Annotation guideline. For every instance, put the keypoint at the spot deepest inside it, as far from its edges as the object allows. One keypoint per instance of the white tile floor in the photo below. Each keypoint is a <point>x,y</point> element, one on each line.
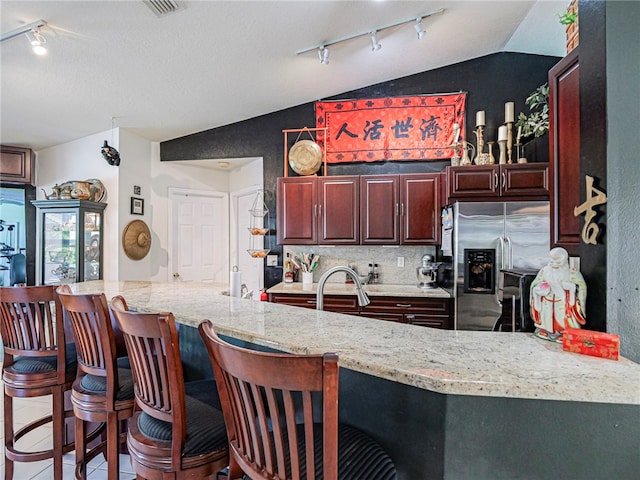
<point>28,409</point>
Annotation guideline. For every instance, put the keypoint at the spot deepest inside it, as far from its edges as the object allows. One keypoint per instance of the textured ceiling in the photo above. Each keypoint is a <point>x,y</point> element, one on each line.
<point>114,63</point>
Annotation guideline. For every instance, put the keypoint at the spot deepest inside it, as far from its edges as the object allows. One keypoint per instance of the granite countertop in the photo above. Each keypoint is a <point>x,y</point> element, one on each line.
<point>493,364</point>
<point>377,290</point>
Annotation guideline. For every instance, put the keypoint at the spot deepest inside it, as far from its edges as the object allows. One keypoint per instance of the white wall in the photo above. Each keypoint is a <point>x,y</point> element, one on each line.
<point>81,160</point>
<point>135,165</point>
<point>140,165</point>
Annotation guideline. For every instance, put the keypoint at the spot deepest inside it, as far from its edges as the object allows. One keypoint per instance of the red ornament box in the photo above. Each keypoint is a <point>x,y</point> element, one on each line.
<point>589,342</point>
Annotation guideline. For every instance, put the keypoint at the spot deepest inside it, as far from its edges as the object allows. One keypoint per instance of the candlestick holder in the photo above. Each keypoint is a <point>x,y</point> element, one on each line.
<point>492,159</point>
<point>503,151</point>
<point>509,141</point>
<point>520,151</point>
<point>479,131</point>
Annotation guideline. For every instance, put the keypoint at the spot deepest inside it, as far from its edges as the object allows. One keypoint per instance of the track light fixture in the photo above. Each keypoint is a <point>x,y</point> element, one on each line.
<point>418,28</point>
<point>32,32</point>
<point>37,42</point>
<point>323,52</point>
<point>375,45</point>
<point>323,55</point>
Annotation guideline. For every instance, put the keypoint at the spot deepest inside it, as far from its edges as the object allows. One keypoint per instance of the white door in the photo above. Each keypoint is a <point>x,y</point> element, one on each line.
<point>252,269</point>
<point>200,236</point>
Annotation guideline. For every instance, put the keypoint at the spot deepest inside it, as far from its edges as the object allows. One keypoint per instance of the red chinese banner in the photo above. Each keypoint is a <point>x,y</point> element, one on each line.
<point>397,128</point>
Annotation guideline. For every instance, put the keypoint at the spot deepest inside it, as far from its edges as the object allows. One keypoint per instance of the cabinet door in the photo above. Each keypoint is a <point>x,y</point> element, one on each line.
<point>420,209</point>
<point>379,209</point>
<point>338,210</point>
<point>16,165</point>
<point>297,211</point>
<point>564,146</point>
<point>525,180</point>
<point>474,181</point>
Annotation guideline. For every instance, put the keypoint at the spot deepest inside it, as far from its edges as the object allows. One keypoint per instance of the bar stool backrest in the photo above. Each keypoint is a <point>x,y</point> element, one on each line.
<point>154,354</point>
<point>267,401</point>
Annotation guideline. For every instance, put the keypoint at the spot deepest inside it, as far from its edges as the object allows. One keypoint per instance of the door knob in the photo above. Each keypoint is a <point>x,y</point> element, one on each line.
<point>176,275</point>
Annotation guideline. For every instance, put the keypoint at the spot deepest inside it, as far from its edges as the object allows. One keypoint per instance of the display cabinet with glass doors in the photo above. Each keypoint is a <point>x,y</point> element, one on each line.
<point>70,241</point>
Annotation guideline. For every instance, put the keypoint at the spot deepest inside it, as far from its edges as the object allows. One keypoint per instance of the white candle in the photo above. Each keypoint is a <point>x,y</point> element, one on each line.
<point>508,112</point>
<point>502,133</point>
<point>456,132</point>
<point>519,133</point>
<point>480,122</point>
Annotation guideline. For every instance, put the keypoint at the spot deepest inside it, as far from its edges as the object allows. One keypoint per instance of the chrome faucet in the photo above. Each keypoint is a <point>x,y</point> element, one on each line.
<point>363,299</point>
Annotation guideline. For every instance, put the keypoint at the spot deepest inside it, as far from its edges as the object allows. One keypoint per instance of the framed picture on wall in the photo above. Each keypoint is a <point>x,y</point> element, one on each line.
<point>137,206</point>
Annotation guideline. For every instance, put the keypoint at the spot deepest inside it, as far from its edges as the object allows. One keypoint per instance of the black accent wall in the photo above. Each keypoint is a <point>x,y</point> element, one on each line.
<point>489,81</point>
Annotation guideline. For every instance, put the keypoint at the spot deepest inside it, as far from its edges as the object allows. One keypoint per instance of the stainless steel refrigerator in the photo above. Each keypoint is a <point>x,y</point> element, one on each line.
<point>489,237</point>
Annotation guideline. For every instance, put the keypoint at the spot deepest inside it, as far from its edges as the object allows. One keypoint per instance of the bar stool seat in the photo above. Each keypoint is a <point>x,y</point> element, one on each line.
<point>37,362</point>
<point>102,393</point>
<point>177,431</point>
<point>281,412</point>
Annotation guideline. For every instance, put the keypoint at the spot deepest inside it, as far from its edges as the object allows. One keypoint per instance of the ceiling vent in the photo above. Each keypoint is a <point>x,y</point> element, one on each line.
<point>162,8</point>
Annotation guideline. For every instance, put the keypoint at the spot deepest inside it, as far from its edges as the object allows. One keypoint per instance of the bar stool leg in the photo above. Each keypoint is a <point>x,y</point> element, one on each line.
<point>113,444</point>
<point>81,450</point>
<point>8,435</point>
<point>58,430</point>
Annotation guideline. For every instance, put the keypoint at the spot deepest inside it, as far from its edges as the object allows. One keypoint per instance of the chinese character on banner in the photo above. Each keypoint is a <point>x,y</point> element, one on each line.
<point>397,128</point>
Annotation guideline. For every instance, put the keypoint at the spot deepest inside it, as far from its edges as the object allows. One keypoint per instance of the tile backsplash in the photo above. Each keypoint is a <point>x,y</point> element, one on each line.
<point>361,256</point>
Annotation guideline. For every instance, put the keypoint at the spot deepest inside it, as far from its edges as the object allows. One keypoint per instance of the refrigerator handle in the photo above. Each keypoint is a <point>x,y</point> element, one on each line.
<point>510,251</point>
<point>502,256</point>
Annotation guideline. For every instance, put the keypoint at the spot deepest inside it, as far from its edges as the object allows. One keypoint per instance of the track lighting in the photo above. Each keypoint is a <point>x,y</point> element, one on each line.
<point>37,42</point>
<point>418,28</point>
<point>323,51</point>
<point>323,55</point>
<point>32,32</point>
<point>375,45</point>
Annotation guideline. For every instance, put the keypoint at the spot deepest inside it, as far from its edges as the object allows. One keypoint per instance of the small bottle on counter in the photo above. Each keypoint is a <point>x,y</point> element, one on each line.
<point>348,278</point>
<point>376,275</point>
<point>288,269</point>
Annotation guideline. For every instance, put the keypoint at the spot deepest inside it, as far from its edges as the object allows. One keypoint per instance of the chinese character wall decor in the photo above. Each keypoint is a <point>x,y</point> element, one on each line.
<point>397,128</point>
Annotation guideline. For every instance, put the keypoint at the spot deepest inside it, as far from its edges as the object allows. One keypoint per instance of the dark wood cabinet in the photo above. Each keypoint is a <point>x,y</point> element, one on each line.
<point>332,303</point>
<point>17,165</point>
<point>338,210</point>
<point>427,312</point>
<point>564,146</point>
<point>521,181</point>
<point>70,234</point>
<point>400,209</point>
<point>318,210</point>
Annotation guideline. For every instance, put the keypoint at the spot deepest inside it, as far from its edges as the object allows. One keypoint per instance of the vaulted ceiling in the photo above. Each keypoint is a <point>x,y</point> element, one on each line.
<point>211,63</point>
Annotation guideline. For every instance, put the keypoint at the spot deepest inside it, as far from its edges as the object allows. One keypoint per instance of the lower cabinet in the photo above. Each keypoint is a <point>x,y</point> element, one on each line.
<point>426,312</point>
<point>332,303</point>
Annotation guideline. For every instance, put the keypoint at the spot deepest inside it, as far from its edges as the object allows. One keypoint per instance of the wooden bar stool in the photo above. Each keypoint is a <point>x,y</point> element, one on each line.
<point>102,392</point>
<point>36,362</point>
<point>268,401</point>
<point>175,433</point>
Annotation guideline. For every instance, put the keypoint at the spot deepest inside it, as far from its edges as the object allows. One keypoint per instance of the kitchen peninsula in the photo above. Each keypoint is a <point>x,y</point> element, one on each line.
<point>445,404</point>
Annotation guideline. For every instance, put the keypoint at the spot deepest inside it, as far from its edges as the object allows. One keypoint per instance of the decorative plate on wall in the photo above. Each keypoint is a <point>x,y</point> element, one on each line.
<point>305,157</point>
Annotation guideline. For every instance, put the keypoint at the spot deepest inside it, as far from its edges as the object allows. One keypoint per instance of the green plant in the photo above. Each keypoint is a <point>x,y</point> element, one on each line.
<point>537,122</point>
<point>567,18</point>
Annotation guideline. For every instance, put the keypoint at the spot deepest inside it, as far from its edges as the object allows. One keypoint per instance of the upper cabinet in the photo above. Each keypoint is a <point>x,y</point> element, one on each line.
<point>354,210</point>
<point>564,146</point>
<point>520,181</point>
<point>17,165</point>
<point>400,209</point>
<point>318,210</point>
